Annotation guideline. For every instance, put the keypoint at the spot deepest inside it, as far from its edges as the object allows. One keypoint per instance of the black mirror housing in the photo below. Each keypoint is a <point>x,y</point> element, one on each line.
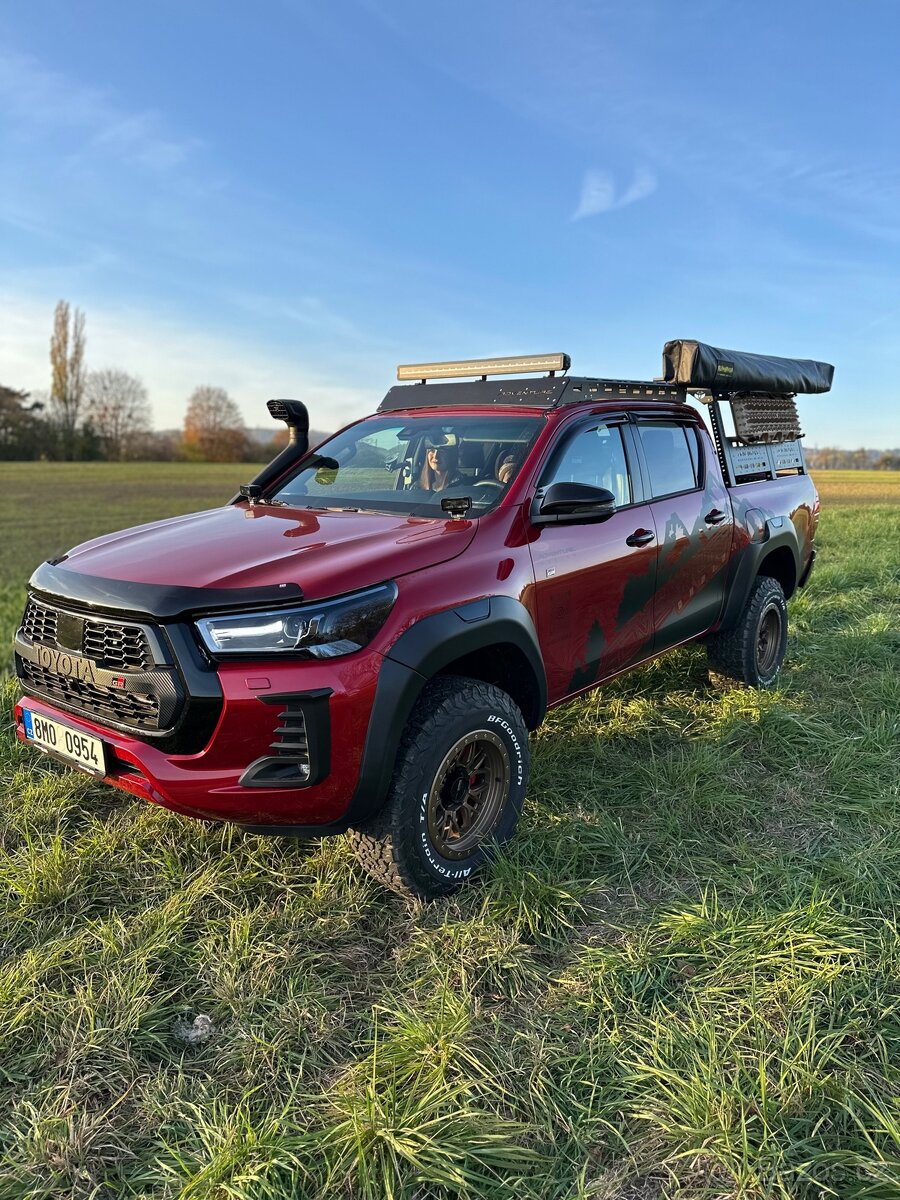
<point>573,504</point>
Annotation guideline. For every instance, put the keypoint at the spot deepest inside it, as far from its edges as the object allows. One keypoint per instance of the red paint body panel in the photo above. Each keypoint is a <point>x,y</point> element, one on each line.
<point>594,599</point>
<point>599,607</point>
<point>326,553</point>
<point>206,784</point>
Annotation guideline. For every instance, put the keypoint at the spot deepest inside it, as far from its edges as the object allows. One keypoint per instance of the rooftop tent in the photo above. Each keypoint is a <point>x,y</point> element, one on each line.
<point>697,365</point>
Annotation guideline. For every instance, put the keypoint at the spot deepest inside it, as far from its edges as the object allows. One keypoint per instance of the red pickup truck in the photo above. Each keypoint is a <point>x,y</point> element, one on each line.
<point>363,638</point>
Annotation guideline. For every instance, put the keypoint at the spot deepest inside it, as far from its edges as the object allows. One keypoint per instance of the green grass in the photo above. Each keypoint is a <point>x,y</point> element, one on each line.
<point>682,980</point>
<point>46,508</point>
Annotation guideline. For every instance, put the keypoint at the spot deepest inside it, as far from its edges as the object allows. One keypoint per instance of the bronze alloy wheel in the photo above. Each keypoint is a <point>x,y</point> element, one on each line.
<point>768,641</point>
<point>459,782</point>
<point>468,793</point>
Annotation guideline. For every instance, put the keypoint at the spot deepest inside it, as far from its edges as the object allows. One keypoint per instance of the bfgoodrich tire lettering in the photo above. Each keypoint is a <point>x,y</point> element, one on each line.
<point>752,652</point>
<point>457,790</point>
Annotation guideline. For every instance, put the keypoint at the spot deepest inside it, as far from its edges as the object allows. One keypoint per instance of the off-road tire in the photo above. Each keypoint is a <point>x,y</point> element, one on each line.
<point>396,846</point>
<point>751,653</point>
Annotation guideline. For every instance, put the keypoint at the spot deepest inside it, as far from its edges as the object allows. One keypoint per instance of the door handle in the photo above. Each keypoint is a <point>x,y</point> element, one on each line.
<point>715,516</point>
<point>640,537</point>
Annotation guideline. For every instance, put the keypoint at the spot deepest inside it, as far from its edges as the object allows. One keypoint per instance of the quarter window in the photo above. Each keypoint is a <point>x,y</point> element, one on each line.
<point>672,457</point>
<point>596,456</point>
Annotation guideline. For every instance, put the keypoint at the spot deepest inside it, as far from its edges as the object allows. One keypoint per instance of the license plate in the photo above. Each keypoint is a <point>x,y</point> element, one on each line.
<point>82,749</point>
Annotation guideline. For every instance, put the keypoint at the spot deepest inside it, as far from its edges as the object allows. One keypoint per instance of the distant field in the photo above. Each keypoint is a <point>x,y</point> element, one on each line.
<point>46,508</point>
<point>684,979</point>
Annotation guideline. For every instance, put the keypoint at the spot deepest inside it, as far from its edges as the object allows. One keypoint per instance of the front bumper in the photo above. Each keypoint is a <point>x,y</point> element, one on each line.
<point>255,697</point>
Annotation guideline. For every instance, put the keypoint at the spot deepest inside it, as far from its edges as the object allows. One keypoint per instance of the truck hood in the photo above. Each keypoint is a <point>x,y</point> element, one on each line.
<point>241,547</point>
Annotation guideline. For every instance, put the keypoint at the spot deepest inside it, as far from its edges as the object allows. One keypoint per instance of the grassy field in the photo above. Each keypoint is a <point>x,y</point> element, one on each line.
<point>683,981</point>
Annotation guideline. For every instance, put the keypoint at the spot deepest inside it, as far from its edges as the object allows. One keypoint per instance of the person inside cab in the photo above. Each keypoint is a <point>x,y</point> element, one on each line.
<point>508,467</point>
<point>441,468</point>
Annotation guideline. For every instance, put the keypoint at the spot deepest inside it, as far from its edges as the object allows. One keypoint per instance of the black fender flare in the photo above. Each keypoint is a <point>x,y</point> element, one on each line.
<point>779,532</point>
<point>422,652</point>
<point>419,653</point>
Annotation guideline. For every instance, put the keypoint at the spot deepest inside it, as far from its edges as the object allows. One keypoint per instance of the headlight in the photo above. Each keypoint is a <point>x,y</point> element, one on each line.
<point>325,630</point>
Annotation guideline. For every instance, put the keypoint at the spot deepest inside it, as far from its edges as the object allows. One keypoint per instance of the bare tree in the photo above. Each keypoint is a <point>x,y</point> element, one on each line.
<point>67,370</point>
<point>118,410</point>
<point>213,427</point>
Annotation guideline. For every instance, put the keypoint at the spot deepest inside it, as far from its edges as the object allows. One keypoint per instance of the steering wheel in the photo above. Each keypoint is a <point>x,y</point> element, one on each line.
<point>491,483</point>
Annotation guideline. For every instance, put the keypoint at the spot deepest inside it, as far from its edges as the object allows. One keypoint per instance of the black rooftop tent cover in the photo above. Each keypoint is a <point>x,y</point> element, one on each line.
<point>697,365</point>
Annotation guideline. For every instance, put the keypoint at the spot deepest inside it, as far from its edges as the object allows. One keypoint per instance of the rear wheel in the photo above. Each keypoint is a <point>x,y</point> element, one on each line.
<point>751,654</point>
<point>457,790</point>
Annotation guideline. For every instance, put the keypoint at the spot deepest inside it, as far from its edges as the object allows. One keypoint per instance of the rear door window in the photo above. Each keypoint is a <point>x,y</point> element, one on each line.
<point>672,460</point>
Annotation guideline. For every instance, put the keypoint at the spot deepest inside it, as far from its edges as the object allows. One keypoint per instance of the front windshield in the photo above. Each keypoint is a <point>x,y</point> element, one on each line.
<point>410,464</point>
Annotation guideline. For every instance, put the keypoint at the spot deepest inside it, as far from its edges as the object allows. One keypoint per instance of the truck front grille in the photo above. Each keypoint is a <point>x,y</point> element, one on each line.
<point>39,623</point>
<point>122,646</point>
<point>112,644</point>
<point>113,672</point>
<point>136,710</point>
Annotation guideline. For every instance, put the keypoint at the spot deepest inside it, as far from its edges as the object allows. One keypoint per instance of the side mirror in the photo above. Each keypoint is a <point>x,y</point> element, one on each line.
<point>572,504</point>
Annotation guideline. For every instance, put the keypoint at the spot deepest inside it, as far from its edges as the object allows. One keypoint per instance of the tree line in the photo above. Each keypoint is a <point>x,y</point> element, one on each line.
<point>106,413</point>
<point>830,458</point>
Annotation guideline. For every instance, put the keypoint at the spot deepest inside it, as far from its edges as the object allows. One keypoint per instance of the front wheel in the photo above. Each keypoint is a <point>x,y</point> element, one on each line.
<point>752,652</point>
<point>457,790</point>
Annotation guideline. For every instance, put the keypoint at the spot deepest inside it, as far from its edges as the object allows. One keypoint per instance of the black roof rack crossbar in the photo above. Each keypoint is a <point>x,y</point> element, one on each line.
<point>528,393</point>
<point>587,391</point>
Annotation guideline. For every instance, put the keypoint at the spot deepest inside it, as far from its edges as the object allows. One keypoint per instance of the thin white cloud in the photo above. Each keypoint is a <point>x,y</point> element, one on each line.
<point>598,192</point>
<point>642,185</point>
<point>41,103</point>
<point>598,195</point>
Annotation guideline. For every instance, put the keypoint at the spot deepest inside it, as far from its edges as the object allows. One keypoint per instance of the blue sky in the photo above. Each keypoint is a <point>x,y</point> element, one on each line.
<point>290,198</point>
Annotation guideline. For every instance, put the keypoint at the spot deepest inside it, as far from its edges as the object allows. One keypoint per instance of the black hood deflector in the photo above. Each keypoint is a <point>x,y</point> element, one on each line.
<point>160,601</point>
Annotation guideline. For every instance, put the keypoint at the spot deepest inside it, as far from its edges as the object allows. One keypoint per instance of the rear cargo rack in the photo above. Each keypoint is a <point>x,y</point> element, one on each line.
<point>756,451</point>
<point>761,390</point>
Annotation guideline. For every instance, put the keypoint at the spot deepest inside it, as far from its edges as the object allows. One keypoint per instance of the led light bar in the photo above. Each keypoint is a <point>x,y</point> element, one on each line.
<point>522,364</point>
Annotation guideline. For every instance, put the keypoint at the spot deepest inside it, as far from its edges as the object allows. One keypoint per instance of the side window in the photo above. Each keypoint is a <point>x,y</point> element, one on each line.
<point>672,462</point>
<point>595,455</point>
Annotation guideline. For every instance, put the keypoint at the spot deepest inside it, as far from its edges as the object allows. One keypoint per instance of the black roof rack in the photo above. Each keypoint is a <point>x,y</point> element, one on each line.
<point>548,392</point>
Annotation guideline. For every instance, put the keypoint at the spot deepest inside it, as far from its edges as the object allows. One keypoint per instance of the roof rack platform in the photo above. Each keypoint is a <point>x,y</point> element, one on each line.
<point>549,392</point>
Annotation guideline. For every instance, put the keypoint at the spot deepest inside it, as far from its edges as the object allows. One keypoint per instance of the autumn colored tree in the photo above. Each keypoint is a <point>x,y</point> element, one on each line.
<point>118,410</point>
<point>213,428</point>
<point>67,375</point>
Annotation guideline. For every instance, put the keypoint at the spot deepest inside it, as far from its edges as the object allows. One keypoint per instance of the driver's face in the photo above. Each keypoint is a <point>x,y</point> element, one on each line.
<point>438,458</point>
